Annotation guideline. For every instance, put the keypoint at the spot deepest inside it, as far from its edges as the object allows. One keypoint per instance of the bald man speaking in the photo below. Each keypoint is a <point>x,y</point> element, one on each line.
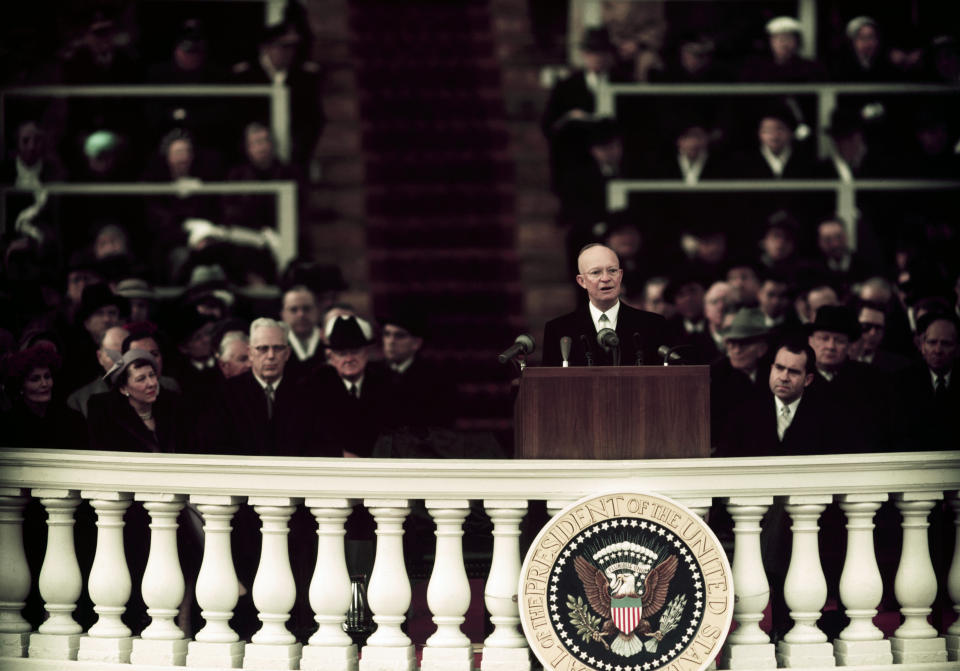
<point>639,333</point>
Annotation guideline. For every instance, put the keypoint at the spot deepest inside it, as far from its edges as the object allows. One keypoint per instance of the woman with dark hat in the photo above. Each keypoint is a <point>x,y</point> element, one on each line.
<point>36,418</point>
<point>136,416</point>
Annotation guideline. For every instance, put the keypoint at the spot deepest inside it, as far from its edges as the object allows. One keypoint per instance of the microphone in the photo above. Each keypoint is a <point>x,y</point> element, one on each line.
<point>638,346</point>
<point>608,339</point>
<point>670,354</point>
<point>524,344</point>
<point>587,349</point>
<point>565,343</point>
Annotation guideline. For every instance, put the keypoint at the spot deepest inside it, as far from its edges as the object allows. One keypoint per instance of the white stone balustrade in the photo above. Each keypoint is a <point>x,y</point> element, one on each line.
<point>749,646</point>
<point>505,649</point>
<point>216,486</point>
<point>916,641</point>
<point>330,649</point>
<point>15,576</point>
<point>861,586</point>
<point>953,585</point>
<point>448,592</point>
<point>389,594</point>
<point>805,588</point>
<point>163,586</point>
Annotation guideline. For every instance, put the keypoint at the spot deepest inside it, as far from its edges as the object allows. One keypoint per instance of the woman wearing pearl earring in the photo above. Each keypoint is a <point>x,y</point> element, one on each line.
<point>135,416</point>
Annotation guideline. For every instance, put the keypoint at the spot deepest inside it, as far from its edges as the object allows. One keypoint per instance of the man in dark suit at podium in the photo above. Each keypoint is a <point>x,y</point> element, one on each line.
<point>600,275</point>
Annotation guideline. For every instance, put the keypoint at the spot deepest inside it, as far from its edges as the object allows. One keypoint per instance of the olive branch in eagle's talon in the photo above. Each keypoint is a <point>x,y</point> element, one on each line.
<point>588,626</point>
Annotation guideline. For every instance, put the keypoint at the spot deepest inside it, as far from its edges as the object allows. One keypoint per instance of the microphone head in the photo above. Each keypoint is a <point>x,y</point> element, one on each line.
<point>566,342</point>
<point>527,342</point>
<point>608,338</point>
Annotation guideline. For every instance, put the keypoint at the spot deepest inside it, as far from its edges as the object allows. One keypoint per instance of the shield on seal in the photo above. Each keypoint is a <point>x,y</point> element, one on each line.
<point>626,612</point>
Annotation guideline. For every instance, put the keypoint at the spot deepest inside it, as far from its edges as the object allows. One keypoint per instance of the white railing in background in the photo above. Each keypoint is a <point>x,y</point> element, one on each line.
<point>285,193</point>
<point>619,190</point>
<point>826,94</point>
<point>278,94</point>
<point>216,486</point>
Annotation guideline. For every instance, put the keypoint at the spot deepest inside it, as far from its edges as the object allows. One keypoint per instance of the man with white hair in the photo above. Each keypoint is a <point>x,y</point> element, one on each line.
<point>262,412</point>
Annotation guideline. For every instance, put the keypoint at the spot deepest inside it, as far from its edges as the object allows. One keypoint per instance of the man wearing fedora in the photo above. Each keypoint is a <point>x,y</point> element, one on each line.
<point>354,396</point>
<point>739,376</point>
<point>99,310</point>
<point>864,396</point>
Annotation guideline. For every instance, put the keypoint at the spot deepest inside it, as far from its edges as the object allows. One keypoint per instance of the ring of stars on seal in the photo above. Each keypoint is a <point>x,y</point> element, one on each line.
<point>626,582</point>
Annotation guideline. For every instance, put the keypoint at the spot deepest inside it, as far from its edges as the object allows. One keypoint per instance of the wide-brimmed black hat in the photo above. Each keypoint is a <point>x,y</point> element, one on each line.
<point>407,316</point>
<point>349,333</point>
<point>96,296</point>
<point>597,40</point>
<point>836,319</point>
<point>187,321</point>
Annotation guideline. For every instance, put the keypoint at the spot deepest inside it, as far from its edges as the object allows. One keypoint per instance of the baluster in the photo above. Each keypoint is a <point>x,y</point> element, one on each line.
<point>388,648</point>
<point>274,590</point>
<point>805,587</point>
<point>749,647</point>
<point>861,586</point>
<point>109,585</point>
<point>216,645</point>
<point>916,584</point>
<point>60,580</point>
<point>554,506</point>
<point>448,592</point>
<point>953,584</point>
<point>505,648</point>
<point>699,505</point>
<point>163,586</point>
<point>330,649</point>
<point>15,576</point>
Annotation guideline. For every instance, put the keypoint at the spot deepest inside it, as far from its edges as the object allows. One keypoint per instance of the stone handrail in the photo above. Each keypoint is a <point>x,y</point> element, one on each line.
<point>213,487</point>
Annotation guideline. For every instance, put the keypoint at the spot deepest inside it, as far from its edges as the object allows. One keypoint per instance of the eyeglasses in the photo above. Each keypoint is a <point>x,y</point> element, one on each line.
<point>866,327</point>
<point>597,274</point>
<point>264,349</point>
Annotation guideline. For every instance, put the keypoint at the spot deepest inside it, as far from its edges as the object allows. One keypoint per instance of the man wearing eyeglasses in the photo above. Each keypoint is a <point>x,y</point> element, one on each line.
<point>600,275</point>
<point>869,348</point>
<point>264,411</point>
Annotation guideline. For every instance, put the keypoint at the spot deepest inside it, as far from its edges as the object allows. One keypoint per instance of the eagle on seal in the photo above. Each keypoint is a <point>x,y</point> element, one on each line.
<point>624,604</point>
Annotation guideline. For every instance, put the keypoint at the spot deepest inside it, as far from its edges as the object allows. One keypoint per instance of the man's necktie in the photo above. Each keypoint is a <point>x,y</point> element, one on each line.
<point>354,391</point>
<point>604,319</point>
<point>940,387</point>
<point>783,421</point>
<point>268,390</point>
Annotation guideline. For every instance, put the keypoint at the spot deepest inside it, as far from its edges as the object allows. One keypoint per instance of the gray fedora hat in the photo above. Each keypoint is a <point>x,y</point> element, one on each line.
<point>747,324</point>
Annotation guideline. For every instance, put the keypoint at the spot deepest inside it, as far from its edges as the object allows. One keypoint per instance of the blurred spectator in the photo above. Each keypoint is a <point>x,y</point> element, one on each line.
<point>140,296</point>
<point>32,163</point>
<point>181,158</point>
<point>189,62</point>
<point>109,352</point>
<point>99,310</point>
<point>744,279</point>
<point>689,158</point>
<point>277,64</point>
<point>300,312</point>
<point>653,299</point>
<point>324,280</point>
<point>256,210</point>
<point>625,239</point>
<point>853,156</point>
<point>777,155</point>
<point>233,354</point>
<point>864,59</point>
<point>946,59</point>
<point>192,363</point>
<point>813,296</point>
<point>717,302</point>
<point>782,63</point>
<point>907,55</point>
<point>868,349</point>
<point>693,63</point>
<point>835,262</point>
<point>574,98</point>
<point>639,42</point>
<point>102,56</point>
<point>104,157</point>
<point>37,418</point>
<point>686,326</point>
<point>774,302</point>
<point>778,245</point>
<point>934,155</point>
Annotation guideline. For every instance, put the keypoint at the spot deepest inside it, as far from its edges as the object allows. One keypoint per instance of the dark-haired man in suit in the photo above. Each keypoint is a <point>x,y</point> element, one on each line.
<point>931,390</point>
<point>600,275</point>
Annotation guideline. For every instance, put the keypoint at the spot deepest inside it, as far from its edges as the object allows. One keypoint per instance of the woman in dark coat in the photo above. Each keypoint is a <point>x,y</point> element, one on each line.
<point>37,418</point>
<point>136,416</point>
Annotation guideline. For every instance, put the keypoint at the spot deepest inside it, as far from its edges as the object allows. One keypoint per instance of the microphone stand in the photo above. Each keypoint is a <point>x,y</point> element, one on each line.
<point>588,353</point>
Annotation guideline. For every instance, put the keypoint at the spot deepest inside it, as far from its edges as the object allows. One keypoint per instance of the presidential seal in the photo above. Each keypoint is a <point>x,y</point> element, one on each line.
<point>626,582</point>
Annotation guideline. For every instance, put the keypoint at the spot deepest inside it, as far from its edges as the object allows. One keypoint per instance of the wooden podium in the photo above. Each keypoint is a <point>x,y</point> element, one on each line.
<point>637,412</point>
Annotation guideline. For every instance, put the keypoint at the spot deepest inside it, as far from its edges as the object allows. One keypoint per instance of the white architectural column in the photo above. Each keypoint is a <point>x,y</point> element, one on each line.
<point>915,586</point>
<point>953,583</point>
<point>15,574</point>
<point>330,649</point>
<point>505,648</point>
<point>60,579</point>
<point>109,585</point>
<point>274,590</point>
<point>861,586</point>
<point>163,586</point>
<point>448,592</point>
<point>749,647</point>
<point>388,648</point>
<point>217,645</point>
<point>805,587</point>
<point>554,506</point>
